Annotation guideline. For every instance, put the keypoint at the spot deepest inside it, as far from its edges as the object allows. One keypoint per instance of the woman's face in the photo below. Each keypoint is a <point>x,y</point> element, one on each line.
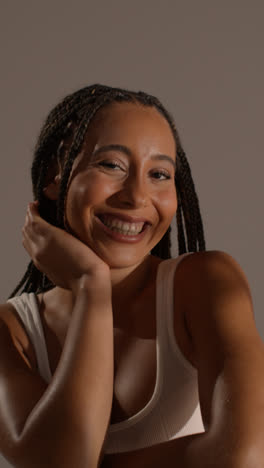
<point>127,180</point>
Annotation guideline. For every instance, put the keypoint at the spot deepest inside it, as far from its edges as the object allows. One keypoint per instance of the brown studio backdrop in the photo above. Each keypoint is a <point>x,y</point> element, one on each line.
<point>204,60</point>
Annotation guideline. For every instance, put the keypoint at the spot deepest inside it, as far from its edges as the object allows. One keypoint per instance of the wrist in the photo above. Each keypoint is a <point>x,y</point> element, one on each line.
<point>92,283</point>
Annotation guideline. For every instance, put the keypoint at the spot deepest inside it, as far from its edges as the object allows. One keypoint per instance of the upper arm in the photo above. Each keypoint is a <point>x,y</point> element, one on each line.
<point>20,389</point>
<point>219,313</point>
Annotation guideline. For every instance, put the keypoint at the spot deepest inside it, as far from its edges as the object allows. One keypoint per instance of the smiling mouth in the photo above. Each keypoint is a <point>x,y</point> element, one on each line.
<point>120,230</point>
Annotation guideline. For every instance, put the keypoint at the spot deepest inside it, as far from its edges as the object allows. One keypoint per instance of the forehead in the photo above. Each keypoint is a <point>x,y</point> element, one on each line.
<point>132,124</point>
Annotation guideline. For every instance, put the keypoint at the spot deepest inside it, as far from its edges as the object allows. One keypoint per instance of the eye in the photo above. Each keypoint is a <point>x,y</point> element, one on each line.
<point>163,173</point>
<point>109,164</point>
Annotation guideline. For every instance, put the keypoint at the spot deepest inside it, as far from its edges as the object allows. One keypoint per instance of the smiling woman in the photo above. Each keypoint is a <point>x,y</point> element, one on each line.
<point>104,351</point>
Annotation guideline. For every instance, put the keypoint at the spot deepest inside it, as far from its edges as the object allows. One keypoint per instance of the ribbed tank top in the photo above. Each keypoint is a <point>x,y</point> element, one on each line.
<point>173,410</point>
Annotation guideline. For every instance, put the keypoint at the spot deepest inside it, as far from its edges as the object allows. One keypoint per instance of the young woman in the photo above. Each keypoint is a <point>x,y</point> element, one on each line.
<point>112,347</point>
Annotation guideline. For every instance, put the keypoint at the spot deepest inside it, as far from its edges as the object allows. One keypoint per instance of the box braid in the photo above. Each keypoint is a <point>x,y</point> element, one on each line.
<point>60,141</point>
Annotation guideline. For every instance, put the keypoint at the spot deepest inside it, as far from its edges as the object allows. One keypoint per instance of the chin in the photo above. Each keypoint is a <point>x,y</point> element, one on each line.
<point>123,261</point>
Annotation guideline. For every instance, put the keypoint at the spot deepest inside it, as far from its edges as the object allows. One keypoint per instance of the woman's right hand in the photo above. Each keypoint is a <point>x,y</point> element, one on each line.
<point>63,258</point>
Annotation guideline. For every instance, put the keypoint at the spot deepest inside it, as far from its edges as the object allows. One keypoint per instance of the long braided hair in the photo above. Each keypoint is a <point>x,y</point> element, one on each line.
<point>70,119</point>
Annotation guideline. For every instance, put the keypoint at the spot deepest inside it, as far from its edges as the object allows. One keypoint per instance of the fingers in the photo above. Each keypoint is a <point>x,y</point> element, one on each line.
<point>33,231</point>
<point>30,227</point>
<point>34,222</point>
<point>32,209</point>
<point>26,234</point>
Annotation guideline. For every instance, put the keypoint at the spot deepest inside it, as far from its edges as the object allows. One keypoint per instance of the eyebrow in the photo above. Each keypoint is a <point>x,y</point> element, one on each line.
<point>128,152</point>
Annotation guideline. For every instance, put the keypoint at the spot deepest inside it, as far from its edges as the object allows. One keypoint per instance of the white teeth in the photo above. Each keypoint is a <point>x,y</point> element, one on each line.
<point>127,228</point>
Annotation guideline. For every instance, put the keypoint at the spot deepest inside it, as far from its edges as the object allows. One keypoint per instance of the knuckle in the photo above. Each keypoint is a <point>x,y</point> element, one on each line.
<point>38,255</point>
<point>35,225</point>
<point>37,262</point>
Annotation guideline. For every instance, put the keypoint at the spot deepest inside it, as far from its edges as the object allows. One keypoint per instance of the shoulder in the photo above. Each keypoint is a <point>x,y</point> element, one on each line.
<point>201,269</point>
<point>20,339</point>
<point>7,315</point>
<point>212,292</point>
<point>215,296</point>
<point>211,277</point>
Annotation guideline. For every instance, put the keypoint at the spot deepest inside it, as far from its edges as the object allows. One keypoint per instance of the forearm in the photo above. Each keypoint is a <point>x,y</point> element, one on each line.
<point>89,377</point>
<point>77,403</point>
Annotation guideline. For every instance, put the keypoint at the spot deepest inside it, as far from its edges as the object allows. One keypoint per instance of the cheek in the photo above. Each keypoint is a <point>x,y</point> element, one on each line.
<point>85,192</point>
<point>167,202</point>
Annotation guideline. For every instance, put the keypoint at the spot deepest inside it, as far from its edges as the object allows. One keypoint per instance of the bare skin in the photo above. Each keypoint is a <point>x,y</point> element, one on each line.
<point>139,336</point>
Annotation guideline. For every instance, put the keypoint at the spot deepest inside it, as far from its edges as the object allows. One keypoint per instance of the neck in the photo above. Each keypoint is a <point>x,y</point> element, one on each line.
<point>129,288</point>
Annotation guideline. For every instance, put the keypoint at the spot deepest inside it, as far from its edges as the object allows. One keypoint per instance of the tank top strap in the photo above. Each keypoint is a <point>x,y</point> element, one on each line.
<point>27,309</point>
<point>165,312</point>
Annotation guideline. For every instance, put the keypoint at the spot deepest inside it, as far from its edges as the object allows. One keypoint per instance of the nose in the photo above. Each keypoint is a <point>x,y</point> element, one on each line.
<point>134,192</point>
